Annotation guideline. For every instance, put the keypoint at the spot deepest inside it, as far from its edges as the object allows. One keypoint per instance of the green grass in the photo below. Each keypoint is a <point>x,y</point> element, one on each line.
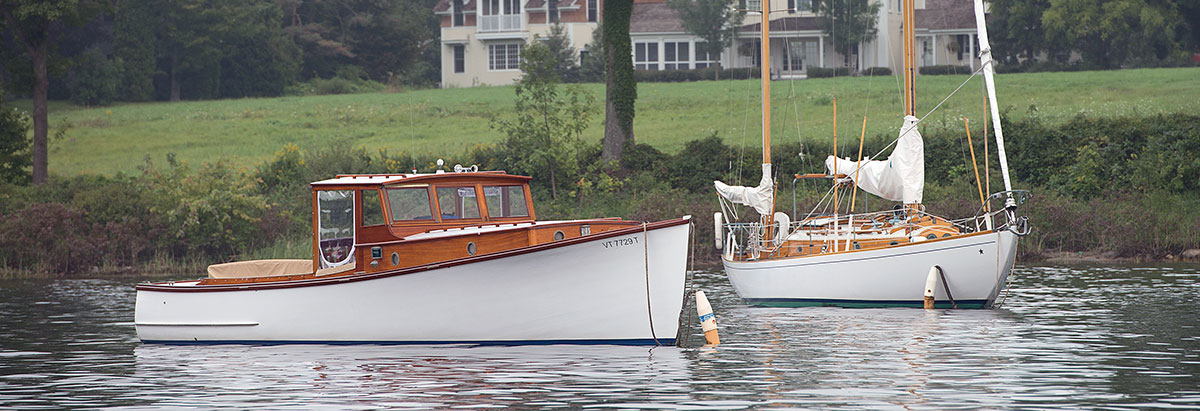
<point>106,140</point>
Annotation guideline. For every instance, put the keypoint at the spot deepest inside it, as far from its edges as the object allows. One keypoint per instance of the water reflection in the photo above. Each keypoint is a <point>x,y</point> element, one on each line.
<point>1068,337</point>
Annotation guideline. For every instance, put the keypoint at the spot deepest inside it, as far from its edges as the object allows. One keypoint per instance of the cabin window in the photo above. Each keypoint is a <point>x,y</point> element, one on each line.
<point>505,201</point>
<point>409,203</point>
<point>457,202</point>
<point>372,208</point>
<point>335,227</point>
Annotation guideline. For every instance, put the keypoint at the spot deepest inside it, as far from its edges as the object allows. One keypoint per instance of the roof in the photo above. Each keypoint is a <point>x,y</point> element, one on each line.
<point>388,179</point>
<point>443,6</point>
<point>789,24</point>
<point>654,18</point>
<point>946,15</point>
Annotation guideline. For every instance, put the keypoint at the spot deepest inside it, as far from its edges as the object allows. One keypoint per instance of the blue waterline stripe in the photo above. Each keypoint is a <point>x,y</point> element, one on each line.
<point>820,302</point>
<point>637,341</point>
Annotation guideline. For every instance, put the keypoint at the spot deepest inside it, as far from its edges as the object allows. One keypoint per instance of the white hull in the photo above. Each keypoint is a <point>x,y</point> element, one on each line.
<point>976,268</point>
<point>587,289</point>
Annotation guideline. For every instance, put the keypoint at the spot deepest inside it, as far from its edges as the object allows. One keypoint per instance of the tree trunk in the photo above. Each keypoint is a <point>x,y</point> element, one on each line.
<point>41,125</point>
<point>175,75</point>
<point>621,86</point>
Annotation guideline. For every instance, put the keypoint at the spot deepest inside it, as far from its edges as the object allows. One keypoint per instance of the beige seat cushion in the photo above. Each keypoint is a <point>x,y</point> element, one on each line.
<point>260,268</point>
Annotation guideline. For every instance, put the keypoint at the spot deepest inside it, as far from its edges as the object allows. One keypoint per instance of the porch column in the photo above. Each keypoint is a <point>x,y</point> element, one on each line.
<point>933,43</point>
<point>971,48</point>
<point>821,50</point>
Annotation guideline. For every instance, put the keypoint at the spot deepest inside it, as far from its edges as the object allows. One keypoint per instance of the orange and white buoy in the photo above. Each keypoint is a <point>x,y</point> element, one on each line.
<point>930,286</point>
<point>708,321</point>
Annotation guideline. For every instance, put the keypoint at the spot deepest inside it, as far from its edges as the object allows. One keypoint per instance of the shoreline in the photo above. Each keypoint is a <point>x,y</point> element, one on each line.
<point>189,270</point>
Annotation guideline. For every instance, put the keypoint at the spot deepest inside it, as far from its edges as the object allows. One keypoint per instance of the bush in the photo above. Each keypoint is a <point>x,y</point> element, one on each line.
<point>939,70</point>
<point>95,79</point>
<point>820,72</point>
<point>877,71</point>
<point>15,159</point>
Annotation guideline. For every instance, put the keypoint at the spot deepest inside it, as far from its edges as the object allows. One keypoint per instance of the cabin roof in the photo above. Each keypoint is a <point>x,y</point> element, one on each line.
<point>387,179</point>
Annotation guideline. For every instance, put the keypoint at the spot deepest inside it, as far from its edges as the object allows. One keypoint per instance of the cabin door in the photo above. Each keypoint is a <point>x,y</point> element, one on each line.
<point>335,227</point>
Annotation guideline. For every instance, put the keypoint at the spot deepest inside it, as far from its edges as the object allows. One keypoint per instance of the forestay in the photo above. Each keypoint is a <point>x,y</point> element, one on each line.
<point>899,178</point>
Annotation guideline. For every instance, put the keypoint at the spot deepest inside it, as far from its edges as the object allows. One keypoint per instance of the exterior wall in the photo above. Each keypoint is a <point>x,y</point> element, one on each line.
<point>476,71</point>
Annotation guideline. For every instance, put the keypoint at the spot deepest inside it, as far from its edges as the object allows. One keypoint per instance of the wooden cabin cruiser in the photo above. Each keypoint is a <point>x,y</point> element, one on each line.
<point>437,258</point>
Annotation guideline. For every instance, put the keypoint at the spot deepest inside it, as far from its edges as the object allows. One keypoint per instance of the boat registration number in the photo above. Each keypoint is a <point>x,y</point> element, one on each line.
<point>620,242</point>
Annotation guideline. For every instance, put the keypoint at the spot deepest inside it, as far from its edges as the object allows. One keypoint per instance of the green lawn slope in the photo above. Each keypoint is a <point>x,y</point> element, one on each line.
<point>106,140</point>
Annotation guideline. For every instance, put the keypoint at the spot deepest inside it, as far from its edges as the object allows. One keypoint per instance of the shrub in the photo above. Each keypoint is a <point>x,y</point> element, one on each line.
<point>877,71</point>
<point>820,72</point>
<point>95,79</point>
<point>948,69</point>
<point>15,159</point>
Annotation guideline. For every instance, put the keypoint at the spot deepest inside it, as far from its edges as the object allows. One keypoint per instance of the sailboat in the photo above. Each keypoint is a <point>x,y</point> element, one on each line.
<point>886,258</point>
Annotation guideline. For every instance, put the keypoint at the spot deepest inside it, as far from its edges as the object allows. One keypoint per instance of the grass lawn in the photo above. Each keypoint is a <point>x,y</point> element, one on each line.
<point>112,139</point>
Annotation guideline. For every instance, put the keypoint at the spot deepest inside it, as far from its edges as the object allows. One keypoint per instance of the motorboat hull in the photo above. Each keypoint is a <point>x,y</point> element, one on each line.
<point>976,267</point>
<point>624,286</point>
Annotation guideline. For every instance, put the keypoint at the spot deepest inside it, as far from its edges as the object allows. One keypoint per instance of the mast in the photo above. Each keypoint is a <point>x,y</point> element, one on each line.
<point>910,59</point>
<point>985,58</point>
<point>766,80</point>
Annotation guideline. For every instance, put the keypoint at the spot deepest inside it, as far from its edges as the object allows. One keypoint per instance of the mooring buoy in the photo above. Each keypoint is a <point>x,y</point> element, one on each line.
<point>708,321</point>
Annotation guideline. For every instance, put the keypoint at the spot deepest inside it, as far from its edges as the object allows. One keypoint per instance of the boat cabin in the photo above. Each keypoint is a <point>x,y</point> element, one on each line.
<point>370,223</point>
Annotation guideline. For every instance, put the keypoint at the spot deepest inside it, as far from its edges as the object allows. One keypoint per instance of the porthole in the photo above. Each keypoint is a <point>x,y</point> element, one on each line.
<point>558,235</point>
<point>945,235</point>
<point>931,236</point>
<point>800,249</point>
<point>857,246</point>
<point>471,248</point>
<point>893,243</point>
<point>395,259</point>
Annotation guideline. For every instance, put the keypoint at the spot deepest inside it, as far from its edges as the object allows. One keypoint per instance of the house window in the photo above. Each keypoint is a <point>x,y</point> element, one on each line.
<point>645,56</point>
<point>676,55</point>
<point>593,10</point>
<point>753,5</point>
<point>582,56</point>
<point>552,11</point>
<point>962,40</point>
<point>504,56</point>
<point>702,58</point>
<point>460,58</point>
<point>791,6</point>
<point>457,6</point>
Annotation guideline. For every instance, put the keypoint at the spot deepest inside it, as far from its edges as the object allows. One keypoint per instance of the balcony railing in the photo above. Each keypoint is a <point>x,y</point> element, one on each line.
<point>503,22</point>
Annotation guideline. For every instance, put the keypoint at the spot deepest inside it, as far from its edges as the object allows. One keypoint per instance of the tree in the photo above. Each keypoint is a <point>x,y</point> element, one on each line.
<point>715,21</point>
<point>37,25</point>
<point>848,23</point>
<point>134,45</point>
<point>1018,29</point>
<point>549,119</point>
<point>1109,33</point>
<point>560,47</point>
<point>620,85</point>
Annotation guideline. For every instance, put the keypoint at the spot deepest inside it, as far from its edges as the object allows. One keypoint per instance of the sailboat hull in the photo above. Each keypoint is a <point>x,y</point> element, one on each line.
<point>976,267</point>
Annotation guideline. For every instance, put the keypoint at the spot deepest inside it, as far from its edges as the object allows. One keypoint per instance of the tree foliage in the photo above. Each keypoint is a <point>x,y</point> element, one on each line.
<point>715,21</point>
<point>848,23</point>
<point>545,133</point>
<point>14,145</point>
<point>1109,33</point>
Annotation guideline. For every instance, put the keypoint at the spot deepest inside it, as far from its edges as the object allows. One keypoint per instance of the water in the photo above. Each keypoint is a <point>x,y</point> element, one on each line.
<point>1067,337</point>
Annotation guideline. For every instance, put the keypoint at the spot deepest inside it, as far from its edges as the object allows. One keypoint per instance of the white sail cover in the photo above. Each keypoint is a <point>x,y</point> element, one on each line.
<point>899,178</point>
<point>761,197</point>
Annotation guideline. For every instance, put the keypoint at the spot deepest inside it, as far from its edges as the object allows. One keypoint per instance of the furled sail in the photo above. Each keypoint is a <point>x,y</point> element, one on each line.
<point>762,198</point>
<point>899,178</point>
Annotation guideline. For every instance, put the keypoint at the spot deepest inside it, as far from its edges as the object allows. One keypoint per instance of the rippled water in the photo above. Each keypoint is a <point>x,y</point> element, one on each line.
<point>1066,337</point>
